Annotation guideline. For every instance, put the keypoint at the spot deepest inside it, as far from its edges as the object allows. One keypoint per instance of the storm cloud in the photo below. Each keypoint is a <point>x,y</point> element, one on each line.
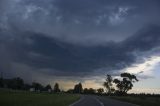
<point>42,52</point>
<point>76,37</point>
<point>80,21</point>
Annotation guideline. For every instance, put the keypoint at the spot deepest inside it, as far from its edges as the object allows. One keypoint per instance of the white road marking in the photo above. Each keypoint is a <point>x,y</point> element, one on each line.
<point>99,102</point>
<point>77,101</point>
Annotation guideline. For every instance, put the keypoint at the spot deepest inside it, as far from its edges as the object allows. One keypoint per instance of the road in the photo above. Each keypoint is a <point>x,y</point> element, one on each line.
<point>89,100</point>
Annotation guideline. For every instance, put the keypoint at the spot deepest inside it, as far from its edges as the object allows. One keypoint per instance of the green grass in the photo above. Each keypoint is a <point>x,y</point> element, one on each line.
<point>142,101</point>
<point>21,98</point>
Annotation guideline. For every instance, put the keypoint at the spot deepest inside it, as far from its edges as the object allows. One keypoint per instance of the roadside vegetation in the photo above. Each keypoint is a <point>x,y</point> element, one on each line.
<point>15,92</point>
<point>139,100</point>
<point>123,85</point>
<point>25,98</point>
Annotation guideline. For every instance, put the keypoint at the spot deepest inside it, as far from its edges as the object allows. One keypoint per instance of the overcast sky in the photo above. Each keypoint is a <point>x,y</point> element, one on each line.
<point>70,41</point>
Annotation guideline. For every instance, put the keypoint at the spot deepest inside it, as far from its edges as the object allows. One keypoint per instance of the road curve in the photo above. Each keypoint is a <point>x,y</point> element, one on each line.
<point>89,100</point>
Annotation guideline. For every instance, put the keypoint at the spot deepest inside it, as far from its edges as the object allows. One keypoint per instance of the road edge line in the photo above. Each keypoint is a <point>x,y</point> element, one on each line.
<point>77,101</point>
<point>101,103</point>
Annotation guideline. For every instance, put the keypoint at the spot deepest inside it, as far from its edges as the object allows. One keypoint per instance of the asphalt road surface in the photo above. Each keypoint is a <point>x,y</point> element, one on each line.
<point>90,100</point>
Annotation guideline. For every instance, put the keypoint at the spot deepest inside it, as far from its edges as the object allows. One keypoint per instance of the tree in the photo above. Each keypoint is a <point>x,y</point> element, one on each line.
<point>112,90</point>
<point>15,83</point>
<point>100,90</point>
<point>37,86</point>
<point>89,91</point>
<point>126,83</point>
<point>78,88</point>
<point>108,83</point>
<point>1,83</point>
<point>85,91</point>
<point>70,91</point>
<point>48,87</point>
<point>27,86</point>
<point>56,88</point>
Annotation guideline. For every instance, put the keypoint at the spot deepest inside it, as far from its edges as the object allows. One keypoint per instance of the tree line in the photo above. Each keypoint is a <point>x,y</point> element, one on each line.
<point>79,90</point>
<point>113,86</point>
<point>18,84</point>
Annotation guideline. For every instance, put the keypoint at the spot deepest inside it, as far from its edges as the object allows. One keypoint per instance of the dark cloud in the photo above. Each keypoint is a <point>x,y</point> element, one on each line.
<point>80,22</point>
<point>145,39</point>
<point>63,59</point>
<point>76,37</point>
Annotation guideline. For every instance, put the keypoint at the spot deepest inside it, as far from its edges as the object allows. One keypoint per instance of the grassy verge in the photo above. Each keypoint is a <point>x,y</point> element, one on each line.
<point>20,98</point>
<point>142,101</point>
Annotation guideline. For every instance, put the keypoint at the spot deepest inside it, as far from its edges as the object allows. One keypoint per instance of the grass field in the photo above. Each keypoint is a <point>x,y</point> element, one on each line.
<point>142,101</point>
<point>21,98</point>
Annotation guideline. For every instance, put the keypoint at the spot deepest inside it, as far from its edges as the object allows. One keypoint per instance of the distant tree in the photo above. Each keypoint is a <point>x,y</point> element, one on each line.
<point>15,83</point>
<point>27,86</point>
<point>85,91</point>
<point>37,86</point>
<point>108,84</point>
<point>112,90</point>
<point>126,83</point>
<point>78,88</point>
<point>1,83</point>
<point>100,90</point>
<point>48,87</point>
<point>56,88</point>
<point>89,91</point>
<point>20,83</point>
<point>1,80</point>
<point>70,91</point>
